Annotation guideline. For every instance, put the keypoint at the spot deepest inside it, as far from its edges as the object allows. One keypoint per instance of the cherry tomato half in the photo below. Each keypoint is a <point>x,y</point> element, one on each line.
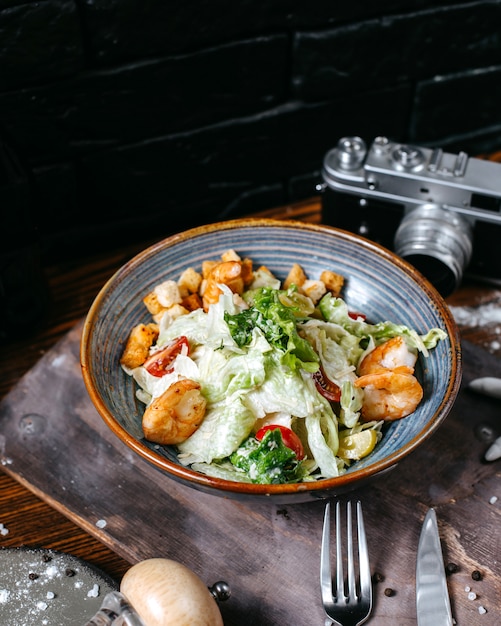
<point>289,437</point>
<point>158,363</point>
<point>355,315</point>
<point>326,387</point>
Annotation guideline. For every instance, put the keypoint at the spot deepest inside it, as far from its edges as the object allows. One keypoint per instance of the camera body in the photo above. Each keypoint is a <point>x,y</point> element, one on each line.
<point>439,211</point>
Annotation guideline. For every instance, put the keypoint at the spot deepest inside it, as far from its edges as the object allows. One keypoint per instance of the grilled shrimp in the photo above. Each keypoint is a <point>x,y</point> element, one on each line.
<point>391,391</point>
<point>227,273</point>
<point>387,356</point>
<point>176,414</point>
<point>390,394</point>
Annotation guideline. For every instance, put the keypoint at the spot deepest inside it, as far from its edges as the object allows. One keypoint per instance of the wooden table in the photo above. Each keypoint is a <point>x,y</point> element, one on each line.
<point>32,519</point>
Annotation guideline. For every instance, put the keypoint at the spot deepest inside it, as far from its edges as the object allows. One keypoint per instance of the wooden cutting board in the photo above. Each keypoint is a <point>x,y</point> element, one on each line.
<point>53,441</point>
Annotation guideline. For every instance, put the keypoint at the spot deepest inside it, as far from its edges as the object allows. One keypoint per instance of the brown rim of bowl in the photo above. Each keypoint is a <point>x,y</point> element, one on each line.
<point>184,473</point>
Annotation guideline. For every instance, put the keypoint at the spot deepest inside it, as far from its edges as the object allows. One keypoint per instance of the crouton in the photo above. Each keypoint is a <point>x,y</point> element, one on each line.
<point>138,344</point>
<point>296,277</point>
<point>207,267</point>
<point>176,310</point>
<point>189,282</point>
<point>225,273</point>
<point>332,281</point>
<point>247,273</point>
<point>263,268</point>
<point>192,302</point>
<point>152,304</point>
<point>168,293</point>
<point>314,289</point>
<point>230,255</point>
<point>173,311</point>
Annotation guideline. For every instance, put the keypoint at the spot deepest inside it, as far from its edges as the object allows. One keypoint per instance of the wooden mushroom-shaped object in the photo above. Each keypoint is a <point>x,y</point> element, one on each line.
<point>166,593</point>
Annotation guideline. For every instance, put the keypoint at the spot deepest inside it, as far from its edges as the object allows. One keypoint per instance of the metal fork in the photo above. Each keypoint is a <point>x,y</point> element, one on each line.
<point>352,608</point>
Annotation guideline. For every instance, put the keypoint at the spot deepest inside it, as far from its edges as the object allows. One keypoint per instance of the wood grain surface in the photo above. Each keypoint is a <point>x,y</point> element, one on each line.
<point>53,441</point>
<point>50,495</point>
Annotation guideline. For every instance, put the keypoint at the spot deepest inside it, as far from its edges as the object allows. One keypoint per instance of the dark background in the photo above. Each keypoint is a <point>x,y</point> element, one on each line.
<point>140,118</point>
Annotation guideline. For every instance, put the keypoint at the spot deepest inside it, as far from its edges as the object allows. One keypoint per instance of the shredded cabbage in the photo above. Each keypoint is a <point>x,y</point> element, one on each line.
<point>257,359</point>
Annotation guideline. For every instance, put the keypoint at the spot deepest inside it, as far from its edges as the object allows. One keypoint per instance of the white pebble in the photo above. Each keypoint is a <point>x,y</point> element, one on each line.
<point>482,610</point>
<point>101,523</point>
<point>94,592</point>
<point>493,500</point>
<point>472,595</point>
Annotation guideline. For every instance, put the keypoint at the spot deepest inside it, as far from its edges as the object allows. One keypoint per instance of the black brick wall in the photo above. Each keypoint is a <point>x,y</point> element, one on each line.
<point>142,117</point>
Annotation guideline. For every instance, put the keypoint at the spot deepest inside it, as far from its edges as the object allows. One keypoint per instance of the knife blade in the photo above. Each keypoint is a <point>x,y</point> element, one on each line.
<point>432,597</point>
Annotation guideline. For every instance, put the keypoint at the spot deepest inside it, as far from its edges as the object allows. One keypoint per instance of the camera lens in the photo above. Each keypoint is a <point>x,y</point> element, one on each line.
<point>438,243</point>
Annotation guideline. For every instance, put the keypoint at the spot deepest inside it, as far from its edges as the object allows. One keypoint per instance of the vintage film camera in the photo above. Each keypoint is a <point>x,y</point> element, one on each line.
<point>439,211</point>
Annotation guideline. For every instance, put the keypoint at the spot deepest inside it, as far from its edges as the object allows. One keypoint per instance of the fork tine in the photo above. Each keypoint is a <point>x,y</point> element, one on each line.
<point>349,541</point>
<point>340,592</point>
<point>351,601</point>
<point>365,570</point>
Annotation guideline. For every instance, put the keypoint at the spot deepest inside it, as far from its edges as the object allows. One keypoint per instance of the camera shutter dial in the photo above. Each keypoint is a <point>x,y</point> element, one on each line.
<point>350,152</point>
<point>407,157</point>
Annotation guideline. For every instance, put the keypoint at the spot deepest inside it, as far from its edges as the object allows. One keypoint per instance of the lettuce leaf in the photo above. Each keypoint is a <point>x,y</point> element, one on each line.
<point>335,310</point>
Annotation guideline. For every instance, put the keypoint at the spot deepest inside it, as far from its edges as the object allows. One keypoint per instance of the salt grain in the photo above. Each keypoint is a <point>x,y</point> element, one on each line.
<point>4,595</point>
<point>493,500</point>
<point>52,571</point>
<point>482,610</point>
<point>489,313</point>
<point>101,523</point>
<point>50,595</point>
<point>3,531</point>
<point>94,592</point>
<point>472,595</point>
<point>467,589</point>
<point>42,606</point>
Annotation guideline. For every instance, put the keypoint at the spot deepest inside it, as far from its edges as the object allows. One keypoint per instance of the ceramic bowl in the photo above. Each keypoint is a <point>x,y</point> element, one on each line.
<point>378,283</point>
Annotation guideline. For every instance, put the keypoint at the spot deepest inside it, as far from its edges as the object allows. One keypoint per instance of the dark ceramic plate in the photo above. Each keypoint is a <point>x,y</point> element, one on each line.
<point>378,283</point>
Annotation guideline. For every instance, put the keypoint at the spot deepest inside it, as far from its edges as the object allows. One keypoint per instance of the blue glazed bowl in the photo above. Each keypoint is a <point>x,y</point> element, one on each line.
<point>378,283</point>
